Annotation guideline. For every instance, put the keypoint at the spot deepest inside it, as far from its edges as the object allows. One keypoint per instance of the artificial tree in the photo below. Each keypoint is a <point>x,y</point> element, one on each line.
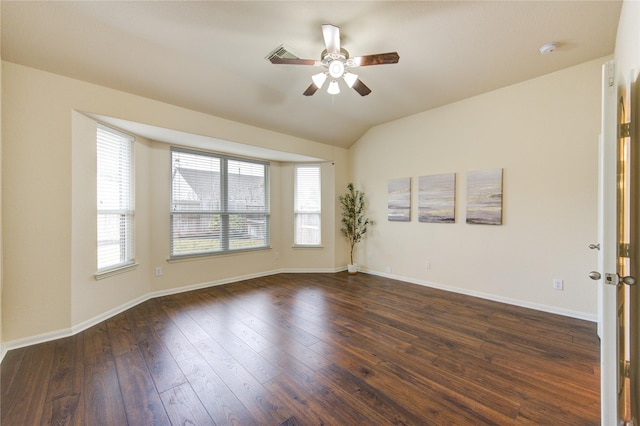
<point>354,221</point>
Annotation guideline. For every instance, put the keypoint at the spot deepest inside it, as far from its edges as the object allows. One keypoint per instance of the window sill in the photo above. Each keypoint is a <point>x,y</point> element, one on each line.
<point>111,272</point>
<point>302,246</point>
<point>204,256</point>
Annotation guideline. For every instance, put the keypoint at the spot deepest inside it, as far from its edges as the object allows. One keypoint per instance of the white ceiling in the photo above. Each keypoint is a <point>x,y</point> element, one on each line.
<point>209,56</point>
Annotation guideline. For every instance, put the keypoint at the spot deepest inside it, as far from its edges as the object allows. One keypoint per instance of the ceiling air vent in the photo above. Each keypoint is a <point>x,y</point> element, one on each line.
<point>280,52</point>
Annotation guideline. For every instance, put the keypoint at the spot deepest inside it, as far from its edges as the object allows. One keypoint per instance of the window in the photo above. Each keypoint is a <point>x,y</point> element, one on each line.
<point>218,203</point>
<point>115,197</point>
<point>307,205</point>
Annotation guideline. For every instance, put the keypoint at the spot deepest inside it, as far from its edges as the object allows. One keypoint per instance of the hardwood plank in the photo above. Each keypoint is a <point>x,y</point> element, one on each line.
<point>316,404</point>
<point>64,403</point>
<point>538,399</point>
<point>190,328</point>
<point>291,421</point>
<point>162,366</point>
<point>307,356</point>
<point>184,407</point>
<point>169,333</point>
<point>141,401</point>
<point>10,372</point>
<point>219,401</point>
<point>392,411</point>
<point>102,397</point>
<point>175,341</point>
<point>26,398</point>
<point>429,403</point>
<point>260,368</point>
<point>63,410</point>
<point>463,398</point>
<point>120,335</point>
<point>143,314</point>
<point>313,399</point>
<point>278,333</point>
<point>250,337</point>
<point>243,384</point>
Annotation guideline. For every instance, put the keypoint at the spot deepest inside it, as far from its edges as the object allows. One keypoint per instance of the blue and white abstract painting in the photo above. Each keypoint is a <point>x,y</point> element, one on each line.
<point>437,198</point>
<point>484,197</point>
<point>399,200</point>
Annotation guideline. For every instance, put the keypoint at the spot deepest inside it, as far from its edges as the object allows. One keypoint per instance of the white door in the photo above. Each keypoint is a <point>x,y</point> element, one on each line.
<point>616,260</point>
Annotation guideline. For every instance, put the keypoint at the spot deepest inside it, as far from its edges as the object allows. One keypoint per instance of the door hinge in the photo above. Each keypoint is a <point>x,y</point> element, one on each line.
<point>624,250</point>
<point>624,130</point>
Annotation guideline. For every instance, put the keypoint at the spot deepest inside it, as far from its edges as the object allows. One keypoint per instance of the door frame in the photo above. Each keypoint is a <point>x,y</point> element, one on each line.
<point>607,254</point>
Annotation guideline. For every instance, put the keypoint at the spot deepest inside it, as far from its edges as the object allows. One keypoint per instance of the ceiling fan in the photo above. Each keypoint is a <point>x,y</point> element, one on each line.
<point>336,62</point>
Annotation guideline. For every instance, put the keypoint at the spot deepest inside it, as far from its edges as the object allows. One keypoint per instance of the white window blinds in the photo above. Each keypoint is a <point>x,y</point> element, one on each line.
<point>218,203</point>
<point>115,199</point>
<point>307,208</point>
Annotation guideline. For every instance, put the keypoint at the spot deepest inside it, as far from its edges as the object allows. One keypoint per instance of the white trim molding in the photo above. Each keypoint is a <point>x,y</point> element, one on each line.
<point>77,328</point>
<point>492,297</point>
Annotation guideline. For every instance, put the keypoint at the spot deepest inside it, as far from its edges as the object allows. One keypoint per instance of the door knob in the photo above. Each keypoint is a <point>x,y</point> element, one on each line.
<point>594,246</point>
<point>613,279</point>
<point>628,280</point>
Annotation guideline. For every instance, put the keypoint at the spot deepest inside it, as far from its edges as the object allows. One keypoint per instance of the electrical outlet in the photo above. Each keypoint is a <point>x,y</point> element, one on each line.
<point>276,255</point>
<point>558,284</point>
<point>158,271</point>
<point>387,269</point>
<point>427,264</point>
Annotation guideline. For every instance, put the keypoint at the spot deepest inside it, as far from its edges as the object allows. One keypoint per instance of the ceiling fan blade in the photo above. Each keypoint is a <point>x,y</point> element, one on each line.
<point>378,59</point>
<point>361,88</point>
<point>297,61</point>
<point>331,35</point>
<point>310,90</point>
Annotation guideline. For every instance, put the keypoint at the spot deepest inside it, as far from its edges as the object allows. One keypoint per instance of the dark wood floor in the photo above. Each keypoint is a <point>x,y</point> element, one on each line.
<point>328,349</point>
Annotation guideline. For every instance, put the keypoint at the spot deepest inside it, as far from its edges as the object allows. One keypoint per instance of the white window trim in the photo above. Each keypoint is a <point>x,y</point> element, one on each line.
<point>130,263</point>
<point>199,255</point>
<point>296,212</point>
<point>100,275</point>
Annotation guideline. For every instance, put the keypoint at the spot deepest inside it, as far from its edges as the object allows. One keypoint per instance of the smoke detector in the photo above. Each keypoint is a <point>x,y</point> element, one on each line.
<point>545,49</point>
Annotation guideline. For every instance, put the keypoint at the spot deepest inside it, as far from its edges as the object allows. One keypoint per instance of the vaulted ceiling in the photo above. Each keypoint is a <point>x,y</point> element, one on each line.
<point>209,56</point>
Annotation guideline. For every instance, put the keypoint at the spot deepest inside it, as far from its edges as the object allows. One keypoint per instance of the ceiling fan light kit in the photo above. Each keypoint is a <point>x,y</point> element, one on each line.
<point>336,61</point>
<point>319,79</point>
<point>336,68</point>
<point>350,78</point>
<point>333,88</point>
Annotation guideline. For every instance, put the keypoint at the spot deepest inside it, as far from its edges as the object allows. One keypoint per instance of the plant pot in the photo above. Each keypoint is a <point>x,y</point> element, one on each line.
<point>352,268</point>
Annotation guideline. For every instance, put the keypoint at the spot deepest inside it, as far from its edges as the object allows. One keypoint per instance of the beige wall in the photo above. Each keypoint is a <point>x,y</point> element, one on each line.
<point>342,177</point>
<point>36,205</point>
<point>48,197</point>
<point>544,134</point>
<point>627,57</point>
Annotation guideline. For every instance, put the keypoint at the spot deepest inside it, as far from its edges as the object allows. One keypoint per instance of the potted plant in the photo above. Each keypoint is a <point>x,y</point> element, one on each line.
<point>354,222</point>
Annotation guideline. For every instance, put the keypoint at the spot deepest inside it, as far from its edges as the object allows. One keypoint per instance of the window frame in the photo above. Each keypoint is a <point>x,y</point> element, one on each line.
<point>128,231</point>
<point>224,212</point>
<point>297,212</point>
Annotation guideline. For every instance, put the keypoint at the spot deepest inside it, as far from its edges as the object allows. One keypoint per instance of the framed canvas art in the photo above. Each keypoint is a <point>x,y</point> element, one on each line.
<point>484,197</point>
<point>399,200</point>
<point>437,198</point>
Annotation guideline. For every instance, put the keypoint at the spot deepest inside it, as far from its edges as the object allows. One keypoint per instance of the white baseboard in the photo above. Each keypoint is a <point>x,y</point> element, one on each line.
<point>492,297</point>
<point>77,328</point>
